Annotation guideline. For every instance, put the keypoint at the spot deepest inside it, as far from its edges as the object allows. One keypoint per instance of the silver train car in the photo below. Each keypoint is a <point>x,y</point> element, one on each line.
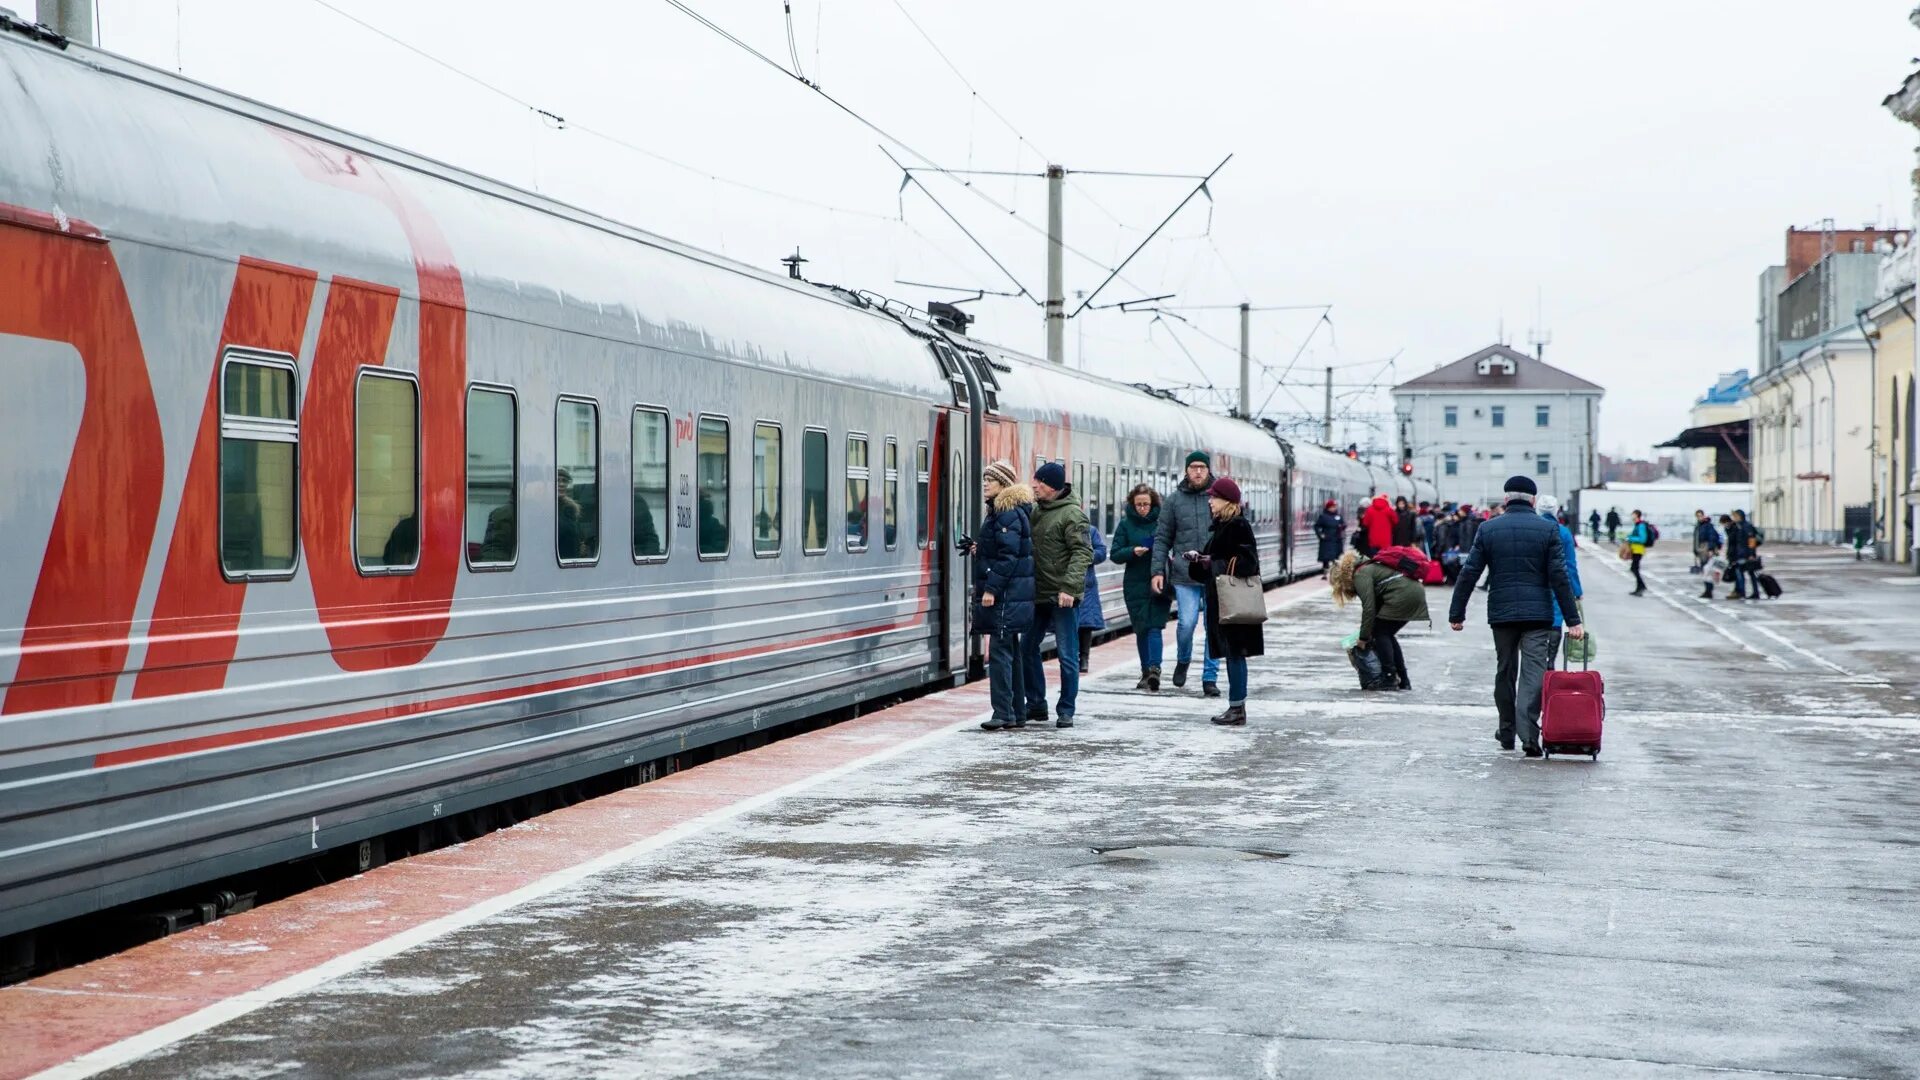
<point>346,490</point>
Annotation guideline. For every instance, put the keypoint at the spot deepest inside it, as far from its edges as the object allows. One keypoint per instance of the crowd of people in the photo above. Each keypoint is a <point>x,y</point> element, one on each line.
<point>1035,553</point>
<point>1033,576</point>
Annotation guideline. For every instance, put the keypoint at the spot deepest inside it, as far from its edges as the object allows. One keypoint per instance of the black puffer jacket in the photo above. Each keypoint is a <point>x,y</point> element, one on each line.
<point>1003,562</point>
<point>1529,570</point>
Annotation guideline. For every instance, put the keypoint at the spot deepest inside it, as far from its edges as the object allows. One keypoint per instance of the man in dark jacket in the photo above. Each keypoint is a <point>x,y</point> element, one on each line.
<point>1186,524</point>
<point>1743,557</point>
<point>1529,575</point>
<point>1003,591</point>
<point>1613,524</point>
<point>1062,553</point>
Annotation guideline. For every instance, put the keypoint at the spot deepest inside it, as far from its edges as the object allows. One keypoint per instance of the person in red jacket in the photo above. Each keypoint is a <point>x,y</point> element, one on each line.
<point>1376,526</point>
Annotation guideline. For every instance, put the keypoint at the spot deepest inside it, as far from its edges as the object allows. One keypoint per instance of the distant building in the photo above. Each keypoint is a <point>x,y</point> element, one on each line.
<point>1811,440</point>
<point>1473,423</point>
<point>1829,275</point>
<point>1636,471</point>
<point>1896,367</point>
<point>1717,436</point>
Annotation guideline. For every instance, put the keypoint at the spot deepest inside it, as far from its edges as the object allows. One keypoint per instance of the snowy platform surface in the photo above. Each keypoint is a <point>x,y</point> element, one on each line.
<point>1352,885</point>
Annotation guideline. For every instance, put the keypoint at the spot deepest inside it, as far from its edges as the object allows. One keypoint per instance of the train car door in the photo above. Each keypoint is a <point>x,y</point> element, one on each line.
<point>960,650</point>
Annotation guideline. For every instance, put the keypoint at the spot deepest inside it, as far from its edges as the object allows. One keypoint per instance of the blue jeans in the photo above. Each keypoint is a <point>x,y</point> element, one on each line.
<point>1149,643</point>
<point>1192,602</point>
<point>1236,680</point>
<point>1746,580</point>
<point>1007,689</point>
<point>1064,622</point>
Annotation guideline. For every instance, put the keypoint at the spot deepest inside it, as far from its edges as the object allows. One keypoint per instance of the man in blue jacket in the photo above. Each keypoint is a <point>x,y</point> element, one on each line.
<point>1570,554</point>
<point>1528,577</point>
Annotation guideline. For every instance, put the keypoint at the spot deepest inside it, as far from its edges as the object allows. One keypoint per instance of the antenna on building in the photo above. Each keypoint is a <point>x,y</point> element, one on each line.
<point>1539,336</point>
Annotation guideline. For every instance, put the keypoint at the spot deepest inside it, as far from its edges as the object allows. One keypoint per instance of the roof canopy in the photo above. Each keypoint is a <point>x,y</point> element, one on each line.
<point>1709,436</point>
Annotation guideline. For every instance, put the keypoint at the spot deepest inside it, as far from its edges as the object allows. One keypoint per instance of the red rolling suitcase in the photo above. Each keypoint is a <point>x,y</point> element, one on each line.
<point>1573,709</point>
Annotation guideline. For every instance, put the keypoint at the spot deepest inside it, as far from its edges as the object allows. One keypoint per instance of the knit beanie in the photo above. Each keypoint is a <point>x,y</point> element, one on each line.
<point>1002,472</point>
<point>1522,485</point>
<point>1201,457</point>
<point>1053,474</point>
<point>1225,488</point>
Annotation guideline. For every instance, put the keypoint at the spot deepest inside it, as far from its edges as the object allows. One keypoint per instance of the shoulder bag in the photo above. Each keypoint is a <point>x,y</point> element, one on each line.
<point>1243,600</point>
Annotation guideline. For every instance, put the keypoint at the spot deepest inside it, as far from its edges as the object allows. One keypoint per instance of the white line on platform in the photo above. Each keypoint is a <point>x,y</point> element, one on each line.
<point>137,1046</point>
<point>1717,628</point>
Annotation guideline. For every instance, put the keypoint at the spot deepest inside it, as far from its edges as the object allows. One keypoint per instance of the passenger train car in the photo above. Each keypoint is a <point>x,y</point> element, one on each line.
<point>345,490</point>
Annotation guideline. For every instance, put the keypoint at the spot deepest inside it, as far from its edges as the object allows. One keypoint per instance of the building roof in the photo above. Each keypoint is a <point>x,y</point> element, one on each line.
<point>1498,367</point>
<point>1730,389</point>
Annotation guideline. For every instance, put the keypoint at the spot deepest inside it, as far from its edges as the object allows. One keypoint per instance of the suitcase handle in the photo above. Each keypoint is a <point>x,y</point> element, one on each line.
<point>1566,655</point>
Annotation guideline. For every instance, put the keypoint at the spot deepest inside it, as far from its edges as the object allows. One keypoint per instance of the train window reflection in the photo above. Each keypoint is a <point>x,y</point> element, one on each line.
<point>259,453</point>
<point>493,533</point>
<point>652,522</point>
<point>857,474</point>
<point>890,514</point>
<point>813,491</point>
<point>922,485</point>
<point>576,482</point>
<point>767,489</point>
<point>386,473</point>
<point>715,534</point>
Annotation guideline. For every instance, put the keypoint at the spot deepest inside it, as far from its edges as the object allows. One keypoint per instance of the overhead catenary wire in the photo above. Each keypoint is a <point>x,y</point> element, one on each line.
<point>964,81</point>
<point>558,121</point>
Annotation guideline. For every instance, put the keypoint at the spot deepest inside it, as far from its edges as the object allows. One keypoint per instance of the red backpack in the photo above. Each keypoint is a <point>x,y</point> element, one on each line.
<point>1408,561</point>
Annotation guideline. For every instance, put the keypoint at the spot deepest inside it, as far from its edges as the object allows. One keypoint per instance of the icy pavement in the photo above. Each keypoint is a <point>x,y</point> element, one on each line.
<point>1353,885</point>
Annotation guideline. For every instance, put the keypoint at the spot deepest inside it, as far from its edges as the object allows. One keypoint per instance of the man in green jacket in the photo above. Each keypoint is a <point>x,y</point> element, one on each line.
<point>1061,556</point>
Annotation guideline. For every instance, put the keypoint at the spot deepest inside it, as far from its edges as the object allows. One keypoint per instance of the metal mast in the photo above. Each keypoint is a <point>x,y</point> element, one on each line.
<point>1056,281</point>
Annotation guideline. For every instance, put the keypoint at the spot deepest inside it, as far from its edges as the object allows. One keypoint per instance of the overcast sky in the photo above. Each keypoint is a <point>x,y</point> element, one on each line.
<point>1432,170</point>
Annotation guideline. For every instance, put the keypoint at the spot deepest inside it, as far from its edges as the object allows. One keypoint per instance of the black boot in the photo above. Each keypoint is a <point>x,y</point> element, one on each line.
<point>1210,689</point>
<point>1180,673</point>
<point>1235,716</point>
<point>1144,679</point>
<point>994,724</point>
<point>1153,679</point>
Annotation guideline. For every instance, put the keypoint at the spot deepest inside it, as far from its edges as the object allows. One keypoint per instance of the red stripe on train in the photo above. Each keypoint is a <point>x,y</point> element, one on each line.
<point>390,712</point>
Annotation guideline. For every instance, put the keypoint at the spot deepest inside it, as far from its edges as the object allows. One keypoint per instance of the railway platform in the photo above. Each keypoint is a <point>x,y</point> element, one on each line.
<point>1352,885</point>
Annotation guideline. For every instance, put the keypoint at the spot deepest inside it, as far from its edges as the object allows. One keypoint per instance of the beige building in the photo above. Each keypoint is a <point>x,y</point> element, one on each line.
<point>1890,329</point>
<point>1812,439</point>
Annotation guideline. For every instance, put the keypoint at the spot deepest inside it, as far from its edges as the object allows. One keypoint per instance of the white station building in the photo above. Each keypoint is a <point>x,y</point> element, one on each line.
<point>1473,423</point>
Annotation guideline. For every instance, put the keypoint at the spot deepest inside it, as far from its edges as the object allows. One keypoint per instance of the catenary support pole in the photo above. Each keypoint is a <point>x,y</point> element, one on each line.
<point>1246,374</point>
<point>1326,424</point>
<point>73,19</point>
<point>1056,282</point>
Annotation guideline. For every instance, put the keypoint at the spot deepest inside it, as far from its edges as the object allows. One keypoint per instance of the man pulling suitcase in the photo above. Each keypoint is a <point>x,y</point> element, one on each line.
<point>1520,550</point>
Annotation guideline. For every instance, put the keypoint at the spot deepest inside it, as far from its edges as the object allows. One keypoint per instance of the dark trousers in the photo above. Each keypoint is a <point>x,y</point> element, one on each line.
<point>1639,583</point>
<point>1006,678</point>
<point>1086,645</point>
<point>1524,652</point>
<point>1386,645</point>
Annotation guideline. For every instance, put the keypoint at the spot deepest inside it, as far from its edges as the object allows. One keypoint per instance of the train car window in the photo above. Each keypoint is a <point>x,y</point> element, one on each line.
<point>813,491</point>
<point>652,518</point>
<point>767,490</point>
<point>922,484</point>
<point>259,464</point>
<point>715,533</point>
<point>576,481</point>
<point>493,506</point>
<point>386,472</point>
<point>857,474</point>
<point>890,512</point>
<point>1113,499</point>
<point>1080,483</point>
